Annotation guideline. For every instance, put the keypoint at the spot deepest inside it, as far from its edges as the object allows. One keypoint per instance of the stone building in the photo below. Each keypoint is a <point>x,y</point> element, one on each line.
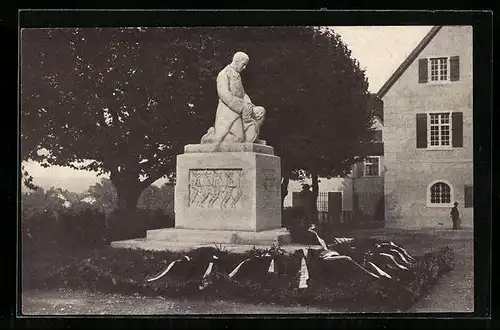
<point>427,132</point>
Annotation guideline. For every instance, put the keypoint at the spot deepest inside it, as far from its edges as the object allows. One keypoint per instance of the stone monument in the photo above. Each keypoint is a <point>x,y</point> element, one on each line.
<point>231,180</point>
<point>228,187</point>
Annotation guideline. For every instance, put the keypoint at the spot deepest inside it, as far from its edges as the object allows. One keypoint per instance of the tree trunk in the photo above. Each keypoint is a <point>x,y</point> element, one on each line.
<point>314,195</point>
<point>128,188</point>
<point>126,222</point>
<point>127,199</point>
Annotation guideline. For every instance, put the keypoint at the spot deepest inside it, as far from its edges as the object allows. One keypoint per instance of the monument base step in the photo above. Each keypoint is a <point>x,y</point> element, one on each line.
<point>159,245</point>
<point>278,237</point>
<point>178,239</point>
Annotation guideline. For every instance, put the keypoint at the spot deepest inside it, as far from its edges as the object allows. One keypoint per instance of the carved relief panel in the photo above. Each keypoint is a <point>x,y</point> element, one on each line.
<point>215,188</point>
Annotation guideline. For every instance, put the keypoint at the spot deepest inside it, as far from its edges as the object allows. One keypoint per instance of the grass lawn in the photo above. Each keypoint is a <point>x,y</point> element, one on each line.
<point>452,292</point>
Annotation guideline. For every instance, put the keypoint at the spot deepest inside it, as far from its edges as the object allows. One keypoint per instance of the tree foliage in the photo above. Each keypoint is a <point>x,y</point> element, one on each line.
<point>103,195</point>
<point>128,100</point>
<point>52,200</point>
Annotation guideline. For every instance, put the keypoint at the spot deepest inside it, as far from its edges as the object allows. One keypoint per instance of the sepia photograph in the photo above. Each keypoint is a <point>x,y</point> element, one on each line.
<point>209,170</point>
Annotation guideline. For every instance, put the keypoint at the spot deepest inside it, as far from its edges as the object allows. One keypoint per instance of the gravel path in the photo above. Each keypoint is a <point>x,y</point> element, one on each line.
<point>65,302</point>
<point>454,291</point>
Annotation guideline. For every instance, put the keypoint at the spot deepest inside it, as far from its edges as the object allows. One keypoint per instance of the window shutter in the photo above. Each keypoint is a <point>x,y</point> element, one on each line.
<point>454,68</point>
<point>468,197</point>
<point>360,169</point>
<point>421,130</point>
<point>457,129</point>
<point>422,71</point>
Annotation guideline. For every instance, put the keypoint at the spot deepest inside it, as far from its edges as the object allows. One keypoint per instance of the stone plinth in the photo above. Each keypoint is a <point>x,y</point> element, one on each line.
<point>153,245</point>
<point>236,187</point>
<point>276,237</point>
<point>175,239</point>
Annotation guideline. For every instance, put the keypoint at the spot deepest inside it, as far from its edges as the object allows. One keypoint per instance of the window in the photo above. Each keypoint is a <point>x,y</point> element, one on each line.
<point>436,70</point>
<point>469,197</point>
<point>439,130</point>
<point>372,166</point>
<point>439,68</point>
<point>440,194</point>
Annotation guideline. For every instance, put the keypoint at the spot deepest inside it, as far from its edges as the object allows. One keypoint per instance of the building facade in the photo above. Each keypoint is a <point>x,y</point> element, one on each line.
<point>428,132</point>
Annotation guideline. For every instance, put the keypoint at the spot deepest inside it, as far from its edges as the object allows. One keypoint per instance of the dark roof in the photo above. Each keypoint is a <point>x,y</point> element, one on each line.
<point>408,61</point>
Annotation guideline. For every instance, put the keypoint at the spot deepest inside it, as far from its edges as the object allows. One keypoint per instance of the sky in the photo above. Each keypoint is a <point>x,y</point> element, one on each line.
<point>379,50</point>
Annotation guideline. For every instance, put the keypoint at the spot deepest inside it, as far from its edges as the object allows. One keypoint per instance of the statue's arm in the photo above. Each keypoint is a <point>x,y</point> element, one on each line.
<point>247,99</point>
<point>234,103</point>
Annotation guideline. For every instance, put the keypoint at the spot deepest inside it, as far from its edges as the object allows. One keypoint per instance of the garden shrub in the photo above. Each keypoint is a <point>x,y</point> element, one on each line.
<point>67,229</point>
<point>85,227</point>
<point>158,218</point>
<point>127,225</point>
<point>123,225</point>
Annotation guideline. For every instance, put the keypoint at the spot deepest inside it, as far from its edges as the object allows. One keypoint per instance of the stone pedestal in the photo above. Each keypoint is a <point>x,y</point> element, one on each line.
<point>229,196</point>
<point>236,187</point>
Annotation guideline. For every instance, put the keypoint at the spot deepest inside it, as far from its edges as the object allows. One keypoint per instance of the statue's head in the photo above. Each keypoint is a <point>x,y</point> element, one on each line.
<point>240,61</point>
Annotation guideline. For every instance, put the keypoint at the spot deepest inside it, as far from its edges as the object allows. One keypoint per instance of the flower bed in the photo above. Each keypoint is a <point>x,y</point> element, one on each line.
<point>325,282</point>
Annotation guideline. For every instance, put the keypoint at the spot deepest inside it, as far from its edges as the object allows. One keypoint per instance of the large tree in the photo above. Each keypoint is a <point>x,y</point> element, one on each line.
<point>128,100</point>
<point>122,98</point>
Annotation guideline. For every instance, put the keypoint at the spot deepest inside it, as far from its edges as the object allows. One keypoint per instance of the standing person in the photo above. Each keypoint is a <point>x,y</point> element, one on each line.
<point>455,216</point>
<point>306,196</point>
